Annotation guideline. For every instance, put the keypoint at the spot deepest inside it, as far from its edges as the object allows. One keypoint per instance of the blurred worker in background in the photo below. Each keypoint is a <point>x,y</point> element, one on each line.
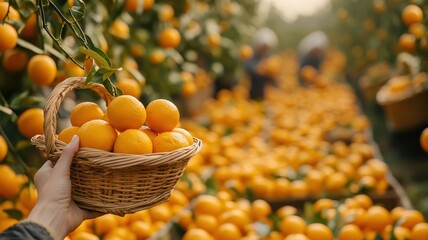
<point>264,40</point>
<point>311,50</point>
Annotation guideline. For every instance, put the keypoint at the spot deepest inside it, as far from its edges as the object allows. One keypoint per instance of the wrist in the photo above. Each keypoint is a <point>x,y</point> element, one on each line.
<point>47,218</point>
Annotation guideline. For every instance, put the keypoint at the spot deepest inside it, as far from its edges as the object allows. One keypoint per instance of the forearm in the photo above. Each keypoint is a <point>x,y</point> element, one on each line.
<point>26,230</point>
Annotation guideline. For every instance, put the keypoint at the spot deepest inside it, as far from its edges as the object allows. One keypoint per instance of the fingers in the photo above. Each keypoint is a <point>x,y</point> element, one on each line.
<point>64,162</point>
<point>42,175</point>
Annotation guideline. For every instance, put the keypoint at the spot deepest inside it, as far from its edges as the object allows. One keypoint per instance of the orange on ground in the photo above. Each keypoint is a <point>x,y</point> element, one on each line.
<point>133,141</point>
<point>3,148</point>
<point>14,60</point>
<point>85,112</point>
<point>97,134</point>
<point>6,223</point>
<point>142,229</point>
<point>129,87</point>
<point>28,197</point>
<point>377,218</point>
<point>336,182</point>
<point>126,112</point>
<point>412,14</point>
<point>197,234</point>
<point>207,204</point>
<point>42,70</point>
<point>169,141</point>
<point>105,223</point>
<point>260,209</point>
<point>292,225</point>
<point>9,184</point>
<point>9,37</point>
<point>350,232</point>
<point>364,201</point>
<point>85,236</point>
<point>319,231</point>
<point>323,204</point>
<point>161,212</point>
<point>228,231</point>
<point>424,140</point>
<point>67,134</point>
<point>30,122</point>
<point>412,217</point>
<point>419,232</point>
<point>169,38</point>
<point>178,198</point>
<point>162,115</point>
<point>132,5</point>
<point>185,133</point>
<point>206,222</point>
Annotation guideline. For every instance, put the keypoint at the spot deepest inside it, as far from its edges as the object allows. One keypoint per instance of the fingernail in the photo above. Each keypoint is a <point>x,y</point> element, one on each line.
<point>74,139</point>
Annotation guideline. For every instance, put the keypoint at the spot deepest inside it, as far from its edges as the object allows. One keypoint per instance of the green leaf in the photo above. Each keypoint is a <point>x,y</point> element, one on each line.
<point>187,180</point>
<point>211,186</point>
<point>97,50</point>
<point>91,75</point>
<point>250,194</point>
<point>378,237</point>
<point>112,89</point>
<point>14,213</point>
<point>135,74</point>
<point>25,101</point>
<point>6,110</point>
<point>100,60</point>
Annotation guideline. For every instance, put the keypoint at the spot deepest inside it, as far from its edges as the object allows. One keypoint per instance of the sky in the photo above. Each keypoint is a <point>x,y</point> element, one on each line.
<point>293,8</point>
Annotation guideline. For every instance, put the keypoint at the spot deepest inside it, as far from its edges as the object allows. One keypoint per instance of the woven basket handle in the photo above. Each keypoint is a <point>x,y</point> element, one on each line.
<point>54,100</point>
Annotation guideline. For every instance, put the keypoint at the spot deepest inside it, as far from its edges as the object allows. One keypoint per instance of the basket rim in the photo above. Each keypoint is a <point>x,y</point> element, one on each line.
<point>100,158</point>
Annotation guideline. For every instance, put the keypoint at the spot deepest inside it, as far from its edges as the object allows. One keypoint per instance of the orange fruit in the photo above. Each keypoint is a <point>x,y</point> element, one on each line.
<point>14,60</point>
<point>377,218</point>
<point>206,222</point>
<point>67,134</point>
<point>119,29</point>
<point>126,112</point>
<point>157,56</point>
<point>228,231</point>
<point>132,5</point>
<point>162,115</point>
<point>407,42</point>
<point>350,232</point>
<point>412,14</point>
<point>129,87</point>
<point>207,204</point>
<point>30,28</point>
<point>286,211</point>
<point>169,141</point>
<point>166,13</point>
<point>72,70</point>
<point>161,212</point>
<point>299,189</point>
<point>42,70</point>
<point>319,231</point>
<point>105,223</point>
<point>9,37</point>
<point>323,204</point>
<point>185,133</point>
<point>9,184</point>
<point>424,139</point>
<point>189,89</point>
<point>417,29</point>
<point>292,225</point>
<point>282,188</point>
<point>133,141</point>
<point>11,15</point>
<point>97,134</point>
<point>214,40</point>
<point>152,135</point>
<point>412,217</point>
<point>28,197</point>
<point>3,148</point>
<point>6,223</point>
<point>30,122</point>
<point>238,217</point>
<point>169,38</point>
<point>245,52</point>
<point>419,232</point>
<point>336,182</point>
<point>298,236</point>
<point>85,112</point>
<point>178,198</point>
<point>85,236</point>
<point>197,234</point>
<point>260,209</point>
<point>141,229</point>
<point>364,201</point>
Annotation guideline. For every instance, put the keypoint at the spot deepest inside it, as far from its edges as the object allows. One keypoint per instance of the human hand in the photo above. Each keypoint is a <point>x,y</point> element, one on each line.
<point>55,209</point>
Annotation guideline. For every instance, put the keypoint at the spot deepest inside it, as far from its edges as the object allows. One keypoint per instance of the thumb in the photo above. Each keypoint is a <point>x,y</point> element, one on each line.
<point>64,162</point>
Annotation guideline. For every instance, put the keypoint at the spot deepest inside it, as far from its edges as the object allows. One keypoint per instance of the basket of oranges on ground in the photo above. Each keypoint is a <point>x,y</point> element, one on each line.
<point>130,157</point>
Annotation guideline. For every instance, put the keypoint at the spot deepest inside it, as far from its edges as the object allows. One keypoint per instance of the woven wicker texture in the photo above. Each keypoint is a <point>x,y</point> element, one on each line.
<point>112,182</point>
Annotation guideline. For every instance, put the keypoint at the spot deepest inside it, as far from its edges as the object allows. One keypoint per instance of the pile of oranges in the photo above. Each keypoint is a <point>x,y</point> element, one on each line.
<point>122,129</point>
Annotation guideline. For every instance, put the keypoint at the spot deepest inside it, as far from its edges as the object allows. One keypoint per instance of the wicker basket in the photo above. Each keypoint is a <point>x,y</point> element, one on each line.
<point>112,182</point>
